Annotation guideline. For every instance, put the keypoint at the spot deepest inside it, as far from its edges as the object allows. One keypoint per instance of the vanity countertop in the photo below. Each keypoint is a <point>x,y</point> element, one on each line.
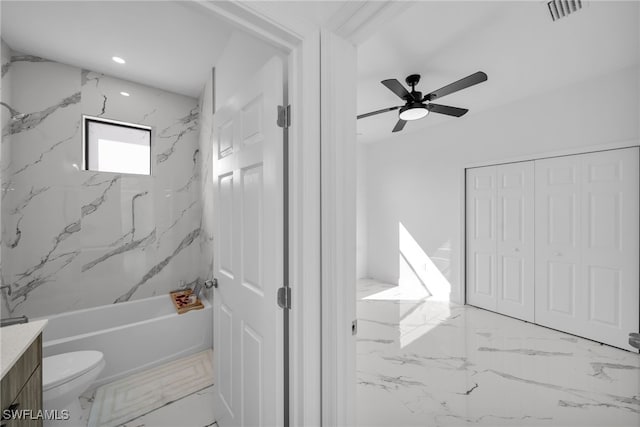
<point>15,340</point>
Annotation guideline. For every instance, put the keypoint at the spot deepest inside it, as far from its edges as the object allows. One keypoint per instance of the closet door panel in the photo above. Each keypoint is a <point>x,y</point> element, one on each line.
<point>515,240</point>
<point>587,233</point>
<point>557,242</point>
<point>481,237</point>
<point>610,248</point>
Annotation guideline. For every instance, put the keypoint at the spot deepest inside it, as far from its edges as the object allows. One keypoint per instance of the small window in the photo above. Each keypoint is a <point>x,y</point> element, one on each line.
<point>112,146</point>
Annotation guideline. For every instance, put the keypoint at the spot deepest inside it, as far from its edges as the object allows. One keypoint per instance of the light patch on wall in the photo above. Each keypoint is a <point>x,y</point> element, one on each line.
<point>419,278</point>
<point>418,270</point>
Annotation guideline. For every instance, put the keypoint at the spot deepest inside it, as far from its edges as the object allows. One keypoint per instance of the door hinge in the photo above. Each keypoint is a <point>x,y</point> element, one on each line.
<point>284,297</point>
<point>284,116</point>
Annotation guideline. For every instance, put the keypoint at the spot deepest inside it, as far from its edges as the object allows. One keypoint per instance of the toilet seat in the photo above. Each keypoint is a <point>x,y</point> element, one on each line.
<point>62,368</point>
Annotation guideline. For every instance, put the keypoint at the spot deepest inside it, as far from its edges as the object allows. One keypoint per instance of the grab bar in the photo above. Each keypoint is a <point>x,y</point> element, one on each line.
<point>8,321</point>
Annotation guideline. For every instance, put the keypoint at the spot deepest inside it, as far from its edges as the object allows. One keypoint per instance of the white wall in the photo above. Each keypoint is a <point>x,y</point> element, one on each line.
<point>242,57</point>
<point>416,179</point>
<point>361,209</point>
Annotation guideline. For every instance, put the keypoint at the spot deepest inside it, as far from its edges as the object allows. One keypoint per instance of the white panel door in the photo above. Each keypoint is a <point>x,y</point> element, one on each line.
<point>481,237</point>
<point>587,245</point>
<point>610,216</point>
<point>515,240</point>
<point>247,166</point>
<point>558,242</point>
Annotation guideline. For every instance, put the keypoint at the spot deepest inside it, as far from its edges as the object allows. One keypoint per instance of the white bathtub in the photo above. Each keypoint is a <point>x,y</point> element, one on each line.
<point>133,336</point>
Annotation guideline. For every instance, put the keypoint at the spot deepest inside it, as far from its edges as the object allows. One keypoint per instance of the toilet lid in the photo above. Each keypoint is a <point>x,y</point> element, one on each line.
<point>65,367</point>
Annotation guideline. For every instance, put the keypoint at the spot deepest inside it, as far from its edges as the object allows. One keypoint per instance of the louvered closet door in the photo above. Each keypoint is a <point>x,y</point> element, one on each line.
<point>515,243</point>
<point>587,245</point>
<point>481,237</point>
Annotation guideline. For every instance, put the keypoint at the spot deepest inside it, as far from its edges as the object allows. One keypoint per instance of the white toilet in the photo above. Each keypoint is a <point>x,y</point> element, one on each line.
<point>64,378</point>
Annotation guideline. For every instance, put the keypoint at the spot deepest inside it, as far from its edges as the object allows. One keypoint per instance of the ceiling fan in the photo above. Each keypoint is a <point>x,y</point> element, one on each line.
<point>416,106</point>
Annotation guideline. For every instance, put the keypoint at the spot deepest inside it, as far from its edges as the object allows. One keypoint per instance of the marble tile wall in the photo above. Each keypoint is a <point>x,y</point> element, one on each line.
<point>5,115</point>
<point>74,239</point>
<point>206,181</point>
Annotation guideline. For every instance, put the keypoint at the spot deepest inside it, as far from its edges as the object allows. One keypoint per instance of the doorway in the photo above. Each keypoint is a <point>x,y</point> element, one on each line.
<point>113,237</point>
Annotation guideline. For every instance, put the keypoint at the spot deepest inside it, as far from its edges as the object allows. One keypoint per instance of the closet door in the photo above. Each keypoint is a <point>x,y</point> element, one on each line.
<point>515,240</point>
<point>587,245</point>
<point>481,237</point>
<point>558,242</point>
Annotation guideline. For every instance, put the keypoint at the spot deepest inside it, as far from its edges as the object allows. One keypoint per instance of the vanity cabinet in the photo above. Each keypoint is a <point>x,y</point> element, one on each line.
<point>22,387</point>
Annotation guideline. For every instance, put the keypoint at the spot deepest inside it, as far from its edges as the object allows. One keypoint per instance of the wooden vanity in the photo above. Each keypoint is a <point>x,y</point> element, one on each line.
<point>21,384</point>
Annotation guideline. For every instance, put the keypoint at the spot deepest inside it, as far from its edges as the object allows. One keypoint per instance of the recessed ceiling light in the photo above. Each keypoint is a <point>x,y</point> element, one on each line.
<point>124,93</point>
<point>118,60</point>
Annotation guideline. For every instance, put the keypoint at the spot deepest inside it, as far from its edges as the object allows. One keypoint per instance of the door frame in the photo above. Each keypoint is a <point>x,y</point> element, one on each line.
<point>321,214</point>
<point>302,71</point>
<point>523,158</point>
<point>309,193</point>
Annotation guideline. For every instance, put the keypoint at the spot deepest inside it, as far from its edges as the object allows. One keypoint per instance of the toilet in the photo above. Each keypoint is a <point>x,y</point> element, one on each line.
<point>64,378</point>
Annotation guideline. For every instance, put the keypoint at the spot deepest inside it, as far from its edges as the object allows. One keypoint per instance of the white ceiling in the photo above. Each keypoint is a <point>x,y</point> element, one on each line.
<point>522,51</point>
<point>301,16</point>
<point>169,45</point>
<point>173,45</point>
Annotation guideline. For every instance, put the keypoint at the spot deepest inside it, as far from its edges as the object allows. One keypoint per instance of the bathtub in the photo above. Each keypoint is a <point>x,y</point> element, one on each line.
<point>133,336</point>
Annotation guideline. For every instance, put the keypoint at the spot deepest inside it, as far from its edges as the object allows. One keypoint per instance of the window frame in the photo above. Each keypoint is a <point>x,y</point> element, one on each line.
<point>87,120</point>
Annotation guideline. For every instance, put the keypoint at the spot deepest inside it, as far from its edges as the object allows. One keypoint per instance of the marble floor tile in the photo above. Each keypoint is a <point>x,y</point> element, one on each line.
<point>195,410</point>
<point>434,363</point>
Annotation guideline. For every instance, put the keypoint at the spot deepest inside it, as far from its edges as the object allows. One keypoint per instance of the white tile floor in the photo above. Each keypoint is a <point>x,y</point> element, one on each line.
<point>430,363</point>
<point>195,410</point>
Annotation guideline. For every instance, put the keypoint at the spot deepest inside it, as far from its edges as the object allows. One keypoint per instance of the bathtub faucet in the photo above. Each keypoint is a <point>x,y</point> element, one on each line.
<point>8,321</point>
<point>197,288</point>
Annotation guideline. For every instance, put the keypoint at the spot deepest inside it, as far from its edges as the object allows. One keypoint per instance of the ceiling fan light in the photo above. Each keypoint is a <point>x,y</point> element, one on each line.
<point>413,112</point>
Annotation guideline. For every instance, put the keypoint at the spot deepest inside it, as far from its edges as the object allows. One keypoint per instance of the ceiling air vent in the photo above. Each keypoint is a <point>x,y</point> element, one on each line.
<point>561,8</point>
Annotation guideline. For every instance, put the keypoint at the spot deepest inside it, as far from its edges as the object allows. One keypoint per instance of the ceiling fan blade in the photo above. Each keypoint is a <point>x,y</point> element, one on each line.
<point>464,83</point>
<point>384,110</point>
<point>396,87</point>
<point>399,126</point>
<point>445,109</point>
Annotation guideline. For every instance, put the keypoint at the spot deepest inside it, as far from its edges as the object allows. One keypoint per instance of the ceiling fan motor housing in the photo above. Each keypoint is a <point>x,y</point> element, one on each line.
<point>412,79</point>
